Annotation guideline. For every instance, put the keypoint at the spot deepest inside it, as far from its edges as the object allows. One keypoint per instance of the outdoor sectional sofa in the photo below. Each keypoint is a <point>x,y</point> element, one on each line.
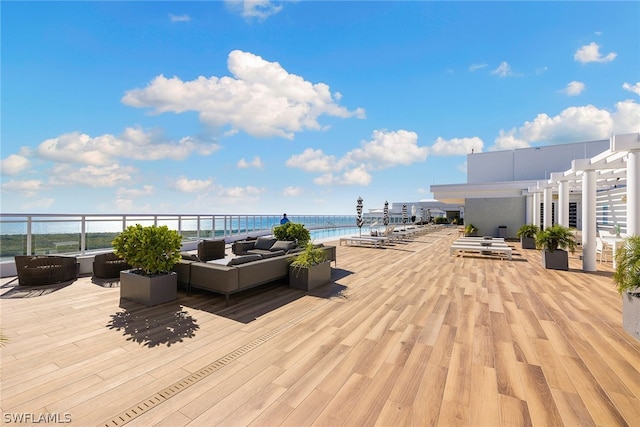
<point>231,275</point>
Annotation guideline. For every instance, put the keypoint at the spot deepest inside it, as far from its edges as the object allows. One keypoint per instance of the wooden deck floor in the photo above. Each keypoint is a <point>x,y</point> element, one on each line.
<point>405,336</point>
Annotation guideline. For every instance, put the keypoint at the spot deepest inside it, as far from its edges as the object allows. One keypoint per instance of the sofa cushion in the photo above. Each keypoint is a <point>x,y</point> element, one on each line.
<point>264,243</point>
<point>243,259</point>
<point>267,254</point>
<point>189,257</point>
<point>283,245</point>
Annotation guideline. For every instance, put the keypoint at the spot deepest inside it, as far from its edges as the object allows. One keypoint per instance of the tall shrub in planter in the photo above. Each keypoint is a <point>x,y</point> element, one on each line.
<point>627,281</point>
<point>292,232</point>
<point>152,252</point>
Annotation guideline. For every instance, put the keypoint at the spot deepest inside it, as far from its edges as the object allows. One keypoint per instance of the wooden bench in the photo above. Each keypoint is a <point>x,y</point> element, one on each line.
<point>481,249</point>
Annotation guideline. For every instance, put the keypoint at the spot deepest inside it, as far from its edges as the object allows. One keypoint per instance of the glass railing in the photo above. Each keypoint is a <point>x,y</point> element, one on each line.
<point>35,234</point>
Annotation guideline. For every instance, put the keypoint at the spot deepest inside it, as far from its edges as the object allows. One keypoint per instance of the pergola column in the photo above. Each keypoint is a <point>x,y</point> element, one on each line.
<point>589,230</point>
<point>536,208</point>
<point>631,143</point>
<point>633,192</point>
<point>528,208</point>
<point>547,194</point>
<point>563,203</point>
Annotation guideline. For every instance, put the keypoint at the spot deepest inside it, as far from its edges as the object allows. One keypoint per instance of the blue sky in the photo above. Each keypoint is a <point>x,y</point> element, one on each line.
<point>297,107</point>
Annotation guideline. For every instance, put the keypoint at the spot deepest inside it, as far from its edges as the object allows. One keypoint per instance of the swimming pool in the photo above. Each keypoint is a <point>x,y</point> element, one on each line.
<point>328,234</point>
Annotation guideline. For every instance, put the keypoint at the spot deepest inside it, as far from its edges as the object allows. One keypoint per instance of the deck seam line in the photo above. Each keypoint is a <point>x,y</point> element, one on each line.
<point>156,399</point>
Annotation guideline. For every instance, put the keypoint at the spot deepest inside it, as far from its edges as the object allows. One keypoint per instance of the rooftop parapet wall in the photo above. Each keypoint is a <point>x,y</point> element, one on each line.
<point>531,163</point>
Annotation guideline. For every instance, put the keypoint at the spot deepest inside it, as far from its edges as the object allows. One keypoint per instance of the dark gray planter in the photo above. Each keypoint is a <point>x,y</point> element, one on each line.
<point>631,314</point>
<point>528,242</point>
<point>148,290</point>
<point>308,278</point>
<point>556,260</point>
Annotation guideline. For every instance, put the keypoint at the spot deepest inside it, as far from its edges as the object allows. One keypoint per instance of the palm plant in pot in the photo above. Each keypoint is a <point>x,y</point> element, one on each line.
<point>554,242</point>
<point>152,252</point>
<point>309,268</point>
<point>470,230</point>
<point>627,280</point>
<point>527,235</point>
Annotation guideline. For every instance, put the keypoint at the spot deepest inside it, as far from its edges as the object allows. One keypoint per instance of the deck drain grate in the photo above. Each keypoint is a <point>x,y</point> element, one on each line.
<point>140,408</point>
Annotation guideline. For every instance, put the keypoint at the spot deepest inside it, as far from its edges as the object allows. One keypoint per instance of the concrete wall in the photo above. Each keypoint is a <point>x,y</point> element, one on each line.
<point>489,213</point>
<point>528,163</point>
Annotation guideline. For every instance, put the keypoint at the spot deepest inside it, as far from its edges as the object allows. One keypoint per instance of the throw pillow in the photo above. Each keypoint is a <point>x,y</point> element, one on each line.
<point>264,243</point>
<point>283,245</point>
<point>244,259</point>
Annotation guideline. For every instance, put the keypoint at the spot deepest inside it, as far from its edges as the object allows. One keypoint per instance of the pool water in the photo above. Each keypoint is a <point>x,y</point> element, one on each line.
<point>327,234</point>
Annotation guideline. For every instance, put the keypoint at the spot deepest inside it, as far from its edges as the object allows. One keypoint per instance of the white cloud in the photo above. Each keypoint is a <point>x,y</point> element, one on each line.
<point>635,88</point>
<point>475,67</point>
<point>255,163</point>
<point>146,190</point>
<point>28,187</point>
<point>591,53</point>
<point>385,150</point>
<point>313,161</point>
<point>388,149</point>
<point>259,9</point>
<point>185,185</point>
<point>41,203</point>
<point>583,123</point>
<point>573,88</point>
<point>91,175</point>
<point>240,192</point>
<point>179,18</point>
<point>261,99</point>
<point>626,118</point>
<point>134,143</point>
<point>292,191</point>
<point>503,70</point>
<point>507,141</point>
<point>14,164</point>
<point>456,146</point>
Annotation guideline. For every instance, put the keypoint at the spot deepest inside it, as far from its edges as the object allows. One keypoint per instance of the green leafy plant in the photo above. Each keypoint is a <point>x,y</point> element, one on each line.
<point>556,237</point>
<point>292,232</point>
<point>310,256</point>
<point>627,274</point>
<point>528,230</point>
<point>469,229</point>
<point>153,250</point>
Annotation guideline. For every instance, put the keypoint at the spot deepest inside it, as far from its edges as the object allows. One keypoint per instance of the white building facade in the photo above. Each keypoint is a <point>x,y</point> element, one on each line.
<point>588,186</point>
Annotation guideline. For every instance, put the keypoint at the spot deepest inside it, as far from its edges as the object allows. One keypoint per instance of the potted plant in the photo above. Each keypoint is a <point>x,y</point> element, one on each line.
<point>292,232</point>
<point>554,241</point>
<point>527,235</point>
<point>152,252</point>
<point>470,230</point>
<point>627,280</point>
<point>309,268</point>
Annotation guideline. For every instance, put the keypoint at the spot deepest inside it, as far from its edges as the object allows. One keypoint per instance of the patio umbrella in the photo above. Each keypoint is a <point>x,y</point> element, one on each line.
<point>413,213</point>
<point>385,217</point>
<point>404,214</point>
<point>359,218</point>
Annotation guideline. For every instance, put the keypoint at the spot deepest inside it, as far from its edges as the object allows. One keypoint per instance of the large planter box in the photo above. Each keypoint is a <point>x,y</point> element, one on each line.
<point>528,242</point>
<point>631,314</point>
<point>556,260</point>
<point>309,278</point>
<point>148,290</point>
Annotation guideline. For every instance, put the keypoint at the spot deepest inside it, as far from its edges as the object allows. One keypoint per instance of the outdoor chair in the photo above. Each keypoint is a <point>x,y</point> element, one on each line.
<point>109,266</point>
<point>209,250</point>
<point>45,269</point>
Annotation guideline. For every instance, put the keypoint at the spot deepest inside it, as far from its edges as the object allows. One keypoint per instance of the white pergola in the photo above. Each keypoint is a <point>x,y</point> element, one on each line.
<point>617,166</point>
